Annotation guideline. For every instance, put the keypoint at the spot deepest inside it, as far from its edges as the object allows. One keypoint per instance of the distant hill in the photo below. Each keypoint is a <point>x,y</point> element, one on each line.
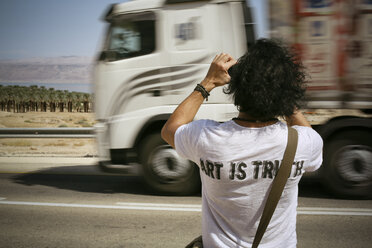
<point>67,69</point>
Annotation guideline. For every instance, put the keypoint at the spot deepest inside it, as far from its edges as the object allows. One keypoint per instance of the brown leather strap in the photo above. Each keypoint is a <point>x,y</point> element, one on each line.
<point>278,185</point>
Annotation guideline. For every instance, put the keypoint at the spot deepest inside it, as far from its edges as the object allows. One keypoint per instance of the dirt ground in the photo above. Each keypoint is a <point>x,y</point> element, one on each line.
<point>46,119</point>
<point>47,147</point>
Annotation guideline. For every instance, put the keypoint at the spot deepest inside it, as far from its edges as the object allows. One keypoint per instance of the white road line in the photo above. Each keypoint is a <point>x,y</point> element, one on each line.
<point>159,205</point>
<point>334,211</point>
<point>188,207</point>
<point>127,207</point>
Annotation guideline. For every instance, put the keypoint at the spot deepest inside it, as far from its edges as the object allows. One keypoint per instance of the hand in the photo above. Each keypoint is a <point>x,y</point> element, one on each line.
<point>218,71</point>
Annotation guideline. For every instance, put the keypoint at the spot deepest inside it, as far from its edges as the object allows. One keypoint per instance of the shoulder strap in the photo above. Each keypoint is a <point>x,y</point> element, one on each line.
<point>277,185</point>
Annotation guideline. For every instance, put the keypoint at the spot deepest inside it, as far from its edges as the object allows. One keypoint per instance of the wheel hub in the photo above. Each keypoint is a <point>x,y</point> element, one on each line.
<point>354,163</point>
<point>167,164</point>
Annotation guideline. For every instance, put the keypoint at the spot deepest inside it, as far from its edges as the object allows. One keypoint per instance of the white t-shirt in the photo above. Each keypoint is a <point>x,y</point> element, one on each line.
<point>237,166</point>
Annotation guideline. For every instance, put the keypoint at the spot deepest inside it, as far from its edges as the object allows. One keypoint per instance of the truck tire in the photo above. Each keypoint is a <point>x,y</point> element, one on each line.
<point>164,171</point>
<point>348,164</point>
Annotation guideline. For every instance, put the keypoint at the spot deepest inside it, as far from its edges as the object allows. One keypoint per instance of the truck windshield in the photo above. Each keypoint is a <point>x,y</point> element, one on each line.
<point>130,36</point>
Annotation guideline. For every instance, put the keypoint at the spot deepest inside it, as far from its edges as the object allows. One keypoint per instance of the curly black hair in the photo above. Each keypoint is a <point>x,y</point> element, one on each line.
<point>268,81</point>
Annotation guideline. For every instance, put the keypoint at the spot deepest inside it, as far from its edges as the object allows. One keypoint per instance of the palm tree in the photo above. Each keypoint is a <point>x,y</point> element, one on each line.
<point>33,94</point>
<point>9,99</point>
<point>61,100</point>
<point>15,97</point>
<point>22,97</point>
<point>77,101</point>
<point>70,99</point>
<point>52,97</point>
<point>86,102</point>
<point>3,98</point>
<point>43,99</point>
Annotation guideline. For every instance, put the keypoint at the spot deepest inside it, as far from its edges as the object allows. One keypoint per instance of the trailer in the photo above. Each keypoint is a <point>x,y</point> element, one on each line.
<point>334,41</point>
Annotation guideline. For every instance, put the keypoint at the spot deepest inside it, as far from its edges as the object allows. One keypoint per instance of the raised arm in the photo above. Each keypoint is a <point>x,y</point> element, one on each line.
<point>185,112</point>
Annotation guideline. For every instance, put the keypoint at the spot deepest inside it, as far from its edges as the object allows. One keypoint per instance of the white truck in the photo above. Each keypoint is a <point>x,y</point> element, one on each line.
<point>154,53</point>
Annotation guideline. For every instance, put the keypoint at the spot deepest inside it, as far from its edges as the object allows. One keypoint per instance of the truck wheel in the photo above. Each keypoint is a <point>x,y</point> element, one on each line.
<point>348,164</point>
<point>165,171</point>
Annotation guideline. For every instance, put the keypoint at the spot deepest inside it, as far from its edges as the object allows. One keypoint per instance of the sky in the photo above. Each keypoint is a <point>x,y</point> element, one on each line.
<point>53,28</point>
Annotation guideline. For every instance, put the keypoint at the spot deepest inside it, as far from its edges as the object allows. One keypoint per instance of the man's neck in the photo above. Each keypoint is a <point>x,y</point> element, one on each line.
<point>245,120</point>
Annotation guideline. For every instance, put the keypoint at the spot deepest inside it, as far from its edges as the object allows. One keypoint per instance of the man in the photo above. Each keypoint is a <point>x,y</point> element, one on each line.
<point>238,159</point>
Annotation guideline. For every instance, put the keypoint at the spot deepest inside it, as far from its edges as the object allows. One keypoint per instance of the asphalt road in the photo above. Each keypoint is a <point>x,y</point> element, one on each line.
<point>67,202</point>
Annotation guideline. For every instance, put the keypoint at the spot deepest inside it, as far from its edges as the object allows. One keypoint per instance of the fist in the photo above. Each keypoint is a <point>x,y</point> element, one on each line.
<point>218,71</point>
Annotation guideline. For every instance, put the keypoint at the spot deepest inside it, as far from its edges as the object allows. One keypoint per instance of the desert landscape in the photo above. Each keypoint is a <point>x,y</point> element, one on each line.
<point>80,147</point>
